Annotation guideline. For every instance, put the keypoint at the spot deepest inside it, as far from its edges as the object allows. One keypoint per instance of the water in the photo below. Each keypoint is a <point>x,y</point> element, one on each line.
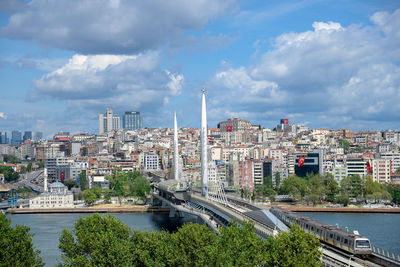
<point>47,227</point>
<point>383,229</point>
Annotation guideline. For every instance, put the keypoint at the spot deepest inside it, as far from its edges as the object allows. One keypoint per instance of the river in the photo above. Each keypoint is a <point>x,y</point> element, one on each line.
<point>383,229</point>
<point>47,227</point>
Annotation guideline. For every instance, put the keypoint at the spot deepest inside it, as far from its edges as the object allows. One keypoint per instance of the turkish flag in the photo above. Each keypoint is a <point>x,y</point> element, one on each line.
<point>229,128</point>
<point>301,161</point>
<point>62,178</point>
<point>368,166</point>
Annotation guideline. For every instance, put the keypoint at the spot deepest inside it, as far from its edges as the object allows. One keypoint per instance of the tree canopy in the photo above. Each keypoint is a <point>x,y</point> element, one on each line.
<point>104,241</point>
<point>16,246</point>
<point>9,174</point>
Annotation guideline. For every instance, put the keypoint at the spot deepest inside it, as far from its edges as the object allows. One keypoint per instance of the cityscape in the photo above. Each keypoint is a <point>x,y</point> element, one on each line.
<point>201,133</point>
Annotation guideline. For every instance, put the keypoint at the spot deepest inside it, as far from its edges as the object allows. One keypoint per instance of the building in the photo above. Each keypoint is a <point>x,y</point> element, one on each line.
<point>234,125</point>
<point>27,135</point>
<point>108,122</point>
<point>339,172</point>
<point>16,137</point>
<point>132,120</point>
<point>58,196</point>
<point>356,166</point>
<point>151,161</point>
<point>3,138</point>
<point>381,170</point>
<point>37,136</point>
<point>312,163</point>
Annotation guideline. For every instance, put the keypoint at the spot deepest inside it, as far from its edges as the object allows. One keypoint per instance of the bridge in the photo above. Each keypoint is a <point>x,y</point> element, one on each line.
<point>216,209</point>
<point>217,215</point>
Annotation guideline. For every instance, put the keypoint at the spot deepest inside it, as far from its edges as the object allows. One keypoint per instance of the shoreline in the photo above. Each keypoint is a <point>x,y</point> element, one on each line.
<point>125,209</point>
<point>339,209</point>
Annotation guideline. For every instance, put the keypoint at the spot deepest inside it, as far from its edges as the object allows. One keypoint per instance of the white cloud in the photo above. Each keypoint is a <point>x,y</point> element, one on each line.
<point>111,27</point>
<point>2,115</point>
<point>91,83</point>
<point>347,74</point>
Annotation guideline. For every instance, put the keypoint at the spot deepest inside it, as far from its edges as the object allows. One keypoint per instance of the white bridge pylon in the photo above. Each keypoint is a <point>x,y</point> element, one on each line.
<point>212,190</point>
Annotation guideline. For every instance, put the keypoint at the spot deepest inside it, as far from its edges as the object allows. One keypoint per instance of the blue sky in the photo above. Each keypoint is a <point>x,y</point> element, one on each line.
<point>331,64</point>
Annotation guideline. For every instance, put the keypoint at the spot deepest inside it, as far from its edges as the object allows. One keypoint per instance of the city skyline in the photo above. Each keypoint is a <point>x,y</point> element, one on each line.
<point>330,64</point>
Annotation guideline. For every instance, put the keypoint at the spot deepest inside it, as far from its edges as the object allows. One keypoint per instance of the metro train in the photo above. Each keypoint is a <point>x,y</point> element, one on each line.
<point>350,242</point>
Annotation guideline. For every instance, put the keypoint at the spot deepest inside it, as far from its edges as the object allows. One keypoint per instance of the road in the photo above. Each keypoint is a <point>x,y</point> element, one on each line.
<point>32,180</point>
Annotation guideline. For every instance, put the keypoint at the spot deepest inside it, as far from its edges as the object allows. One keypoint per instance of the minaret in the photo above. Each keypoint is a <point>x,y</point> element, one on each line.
<point>45,180</point>
<point>203,136</point>
<point>176,153</point>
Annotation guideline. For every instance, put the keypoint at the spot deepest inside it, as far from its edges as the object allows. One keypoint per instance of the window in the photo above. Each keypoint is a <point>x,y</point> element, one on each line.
<point>346,241</point>
<point>362,243</point>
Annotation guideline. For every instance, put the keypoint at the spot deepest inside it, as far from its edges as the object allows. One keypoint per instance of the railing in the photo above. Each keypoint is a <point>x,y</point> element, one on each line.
<point>386,254</point>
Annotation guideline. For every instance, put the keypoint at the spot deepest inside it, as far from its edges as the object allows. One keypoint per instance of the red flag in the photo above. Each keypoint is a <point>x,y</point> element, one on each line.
<point>62,178</point>
<point>210,138</point>
<point>229,128</point>
<point>301,161</point>
<point>368,166</point>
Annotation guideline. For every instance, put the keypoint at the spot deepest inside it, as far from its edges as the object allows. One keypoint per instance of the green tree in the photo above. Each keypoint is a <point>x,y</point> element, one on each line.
<point>394,190</point>
<point>29,167</point>
<point>345,145</point>
<point>397,170</point>
<point>96,241</point>
<point>293,248</point>
<point>316,188</point>
<point>295,186</point>
<point>40,165</point>
<point>82,180</point>
<point>238,245</point>
<point>331,187</point>
<point>16,246</point>
<point>89,196</point>
<point>70,183</point>
<point>11,159</point>
<point>9,174</point>
<point>353,186</point>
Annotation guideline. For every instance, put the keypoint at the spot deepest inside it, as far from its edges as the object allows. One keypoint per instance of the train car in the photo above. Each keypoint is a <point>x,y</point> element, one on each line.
<point>350,242</point>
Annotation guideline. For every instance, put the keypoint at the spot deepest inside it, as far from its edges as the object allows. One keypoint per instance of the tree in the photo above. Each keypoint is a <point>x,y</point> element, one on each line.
<point>316,188</point>
<point>295,186</point>
<point>96,241</point>
<point>331,187</point>
<point>394,191</point>
<point>398,170</point>
<point>82,180</point>
<point>29,167</point>
<point>238,245</point>
<point>16,246</point>
<point>11,159</point>
<point>9,174</point>
<point>105,241</point>
<point>293,248</point>
<point>89,196</point>
<point>345,145</point>
<point>70,183</point>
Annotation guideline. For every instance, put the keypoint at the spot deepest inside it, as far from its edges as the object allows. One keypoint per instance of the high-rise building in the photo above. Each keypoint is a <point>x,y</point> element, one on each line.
<point>37,136</point>
<point>3,138</point>
<point>16,137</point>
<point>27,135</point>
<point>108,122</point>
<point>132,120</point>
<point>234,125</point>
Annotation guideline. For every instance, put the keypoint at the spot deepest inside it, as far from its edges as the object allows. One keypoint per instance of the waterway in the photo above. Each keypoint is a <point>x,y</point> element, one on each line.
<point>47,227</point>
<point>383,229</point>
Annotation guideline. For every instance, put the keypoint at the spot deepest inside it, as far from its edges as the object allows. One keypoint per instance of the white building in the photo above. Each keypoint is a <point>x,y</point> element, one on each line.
<point>57,196</point>
<point>151,161</point>
<point>381,170</point>
<point>108,122</point>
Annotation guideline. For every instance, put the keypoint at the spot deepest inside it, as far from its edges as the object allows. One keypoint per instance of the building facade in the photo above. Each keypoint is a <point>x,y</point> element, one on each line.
<point>57,196</point>
<point>132,120</point>
<point>108,122</point>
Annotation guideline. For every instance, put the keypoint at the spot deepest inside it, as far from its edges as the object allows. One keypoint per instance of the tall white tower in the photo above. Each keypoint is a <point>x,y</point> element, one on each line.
<point>176,155</point>
<point>45,180</point>
<point>204,141</point>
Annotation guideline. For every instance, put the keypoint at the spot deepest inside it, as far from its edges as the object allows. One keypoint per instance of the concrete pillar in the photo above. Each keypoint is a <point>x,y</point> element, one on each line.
<point>171,212</point>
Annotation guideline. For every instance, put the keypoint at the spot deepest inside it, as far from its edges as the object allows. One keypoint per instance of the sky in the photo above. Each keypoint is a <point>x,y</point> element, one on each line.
<point>321,63</point>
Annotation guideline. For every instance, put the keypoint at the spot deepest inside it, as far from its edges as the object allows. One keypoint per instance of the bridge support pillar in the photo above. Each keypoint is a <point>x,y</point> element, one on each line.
<point>171,212</point>
<point>181,214</point>
<point>164,204</point>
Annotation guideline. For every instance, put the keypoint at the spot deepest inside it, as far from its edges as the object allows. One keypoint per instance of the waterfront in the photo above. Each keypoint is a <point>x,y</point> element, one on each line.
<point>383,229</point>
<point>47,227</point>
